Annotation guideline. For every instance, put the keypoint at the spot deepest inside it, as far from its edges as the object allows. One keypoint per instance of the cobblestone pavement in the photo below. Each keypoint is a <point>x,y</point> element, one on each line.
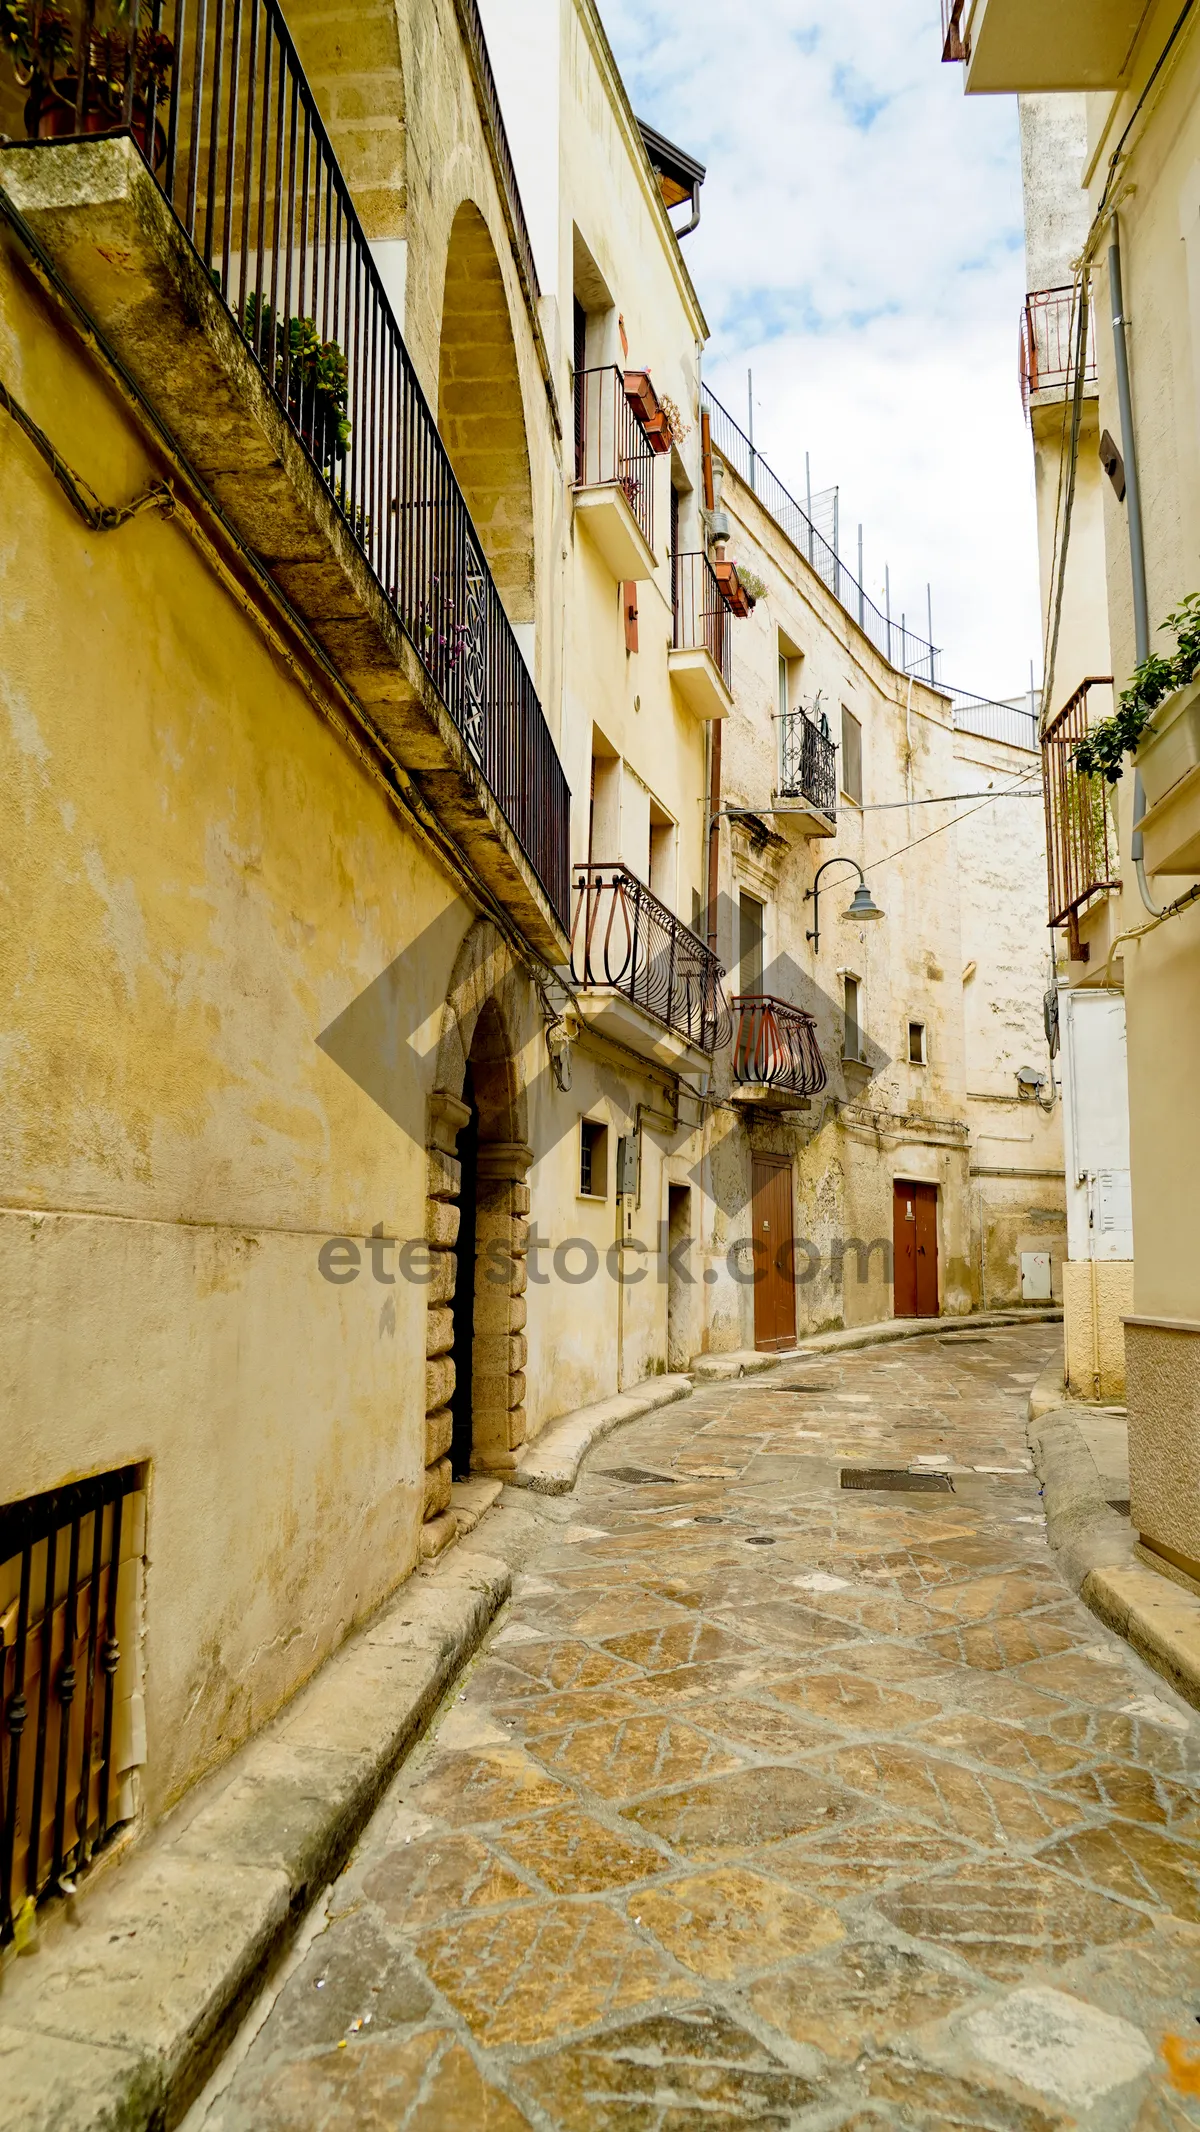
<point>774,1804</point>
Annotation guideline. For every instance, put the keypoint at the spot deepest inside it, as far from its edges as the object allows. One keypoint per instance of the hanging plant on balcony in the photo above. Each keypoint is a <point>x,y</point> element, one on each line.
<point>1102,750</point>
<point>312,378</point>
<point>119,67</point>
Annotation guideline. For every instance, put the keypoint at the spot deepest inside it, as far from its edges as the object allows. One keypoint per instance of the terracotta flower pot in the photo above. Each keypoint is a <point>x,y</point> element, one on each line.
<point>51,117</point>
<point>641,395</point>
<point>657,433</point>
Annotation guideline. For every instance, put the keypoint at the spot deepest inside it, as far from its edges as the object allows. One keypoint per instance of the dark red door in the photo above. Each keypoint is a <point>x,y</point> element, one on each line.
<point>914,1248</point>
<point>774,1254</point>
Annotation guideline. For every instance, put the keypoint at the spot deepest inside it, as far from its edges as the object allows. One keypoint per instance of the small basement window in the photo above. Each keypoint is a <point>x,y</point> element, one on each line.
<point>916,1043</point>
<point>593,1159</point>
<point>852,1040</point>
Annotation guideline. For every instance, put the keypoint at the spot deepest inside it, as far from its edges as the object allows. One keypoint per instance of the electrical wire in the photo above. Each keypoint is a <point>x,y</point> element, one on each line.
<point>97,516</point>
<point>873,865</point>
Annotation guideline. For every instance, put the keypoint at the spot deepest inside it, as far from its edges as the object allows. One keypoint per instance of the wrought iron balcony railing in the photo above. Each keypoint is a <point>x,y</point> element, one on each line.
<point>776,1047</point>
<point>611,447</point>
<point>61,1678</point>
<point>1048,343</point>
<point>702,618</point>
<point>1081,838</point>
<point>215,96</point>
<point>624,937</point>
<point>808,763</point>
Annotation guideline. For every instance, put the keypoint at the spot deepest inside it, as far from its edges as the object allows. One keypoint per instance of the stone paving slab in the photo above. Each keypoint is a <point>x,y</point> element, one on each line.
<point>768,1803</point>
<point>551,1464</point>
<point>117,2015</point>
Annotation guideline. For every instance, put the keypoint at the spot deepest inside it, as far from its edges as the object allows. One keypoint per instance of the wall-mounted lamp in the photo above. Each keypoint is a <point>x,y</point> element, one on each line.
<point>862,904</point>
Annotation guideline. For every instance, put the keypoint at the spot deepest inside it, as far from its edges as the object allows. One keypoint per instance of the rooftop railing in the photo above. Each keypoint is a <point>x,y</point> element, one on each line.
<point>808,763</point>
<point>623,936</point>
<point>1048,342</point>
<point>1010,722</point>
<point>611,447</point>
<point>702,619</point>
<point>216,98</point>
<point>776,1047</point>
<point>900,645</point>
<point>1081,838</point>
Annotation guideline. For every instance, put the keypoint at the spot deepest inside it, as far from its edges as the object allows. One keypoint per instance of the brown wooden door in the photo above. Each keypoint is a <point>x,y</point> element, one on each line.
<point>914,1250</point>
<point>774,1254</point>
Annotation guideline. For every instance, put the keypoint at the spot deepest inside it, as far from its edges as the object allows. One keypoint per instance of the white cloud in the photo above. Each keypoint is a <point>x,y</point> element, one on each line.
<point>860,248</point>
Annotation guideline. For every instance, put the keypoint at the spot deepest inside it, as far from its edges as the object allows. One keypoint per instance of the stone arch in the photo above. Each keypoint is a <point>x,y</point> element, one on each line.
<point>477,1226</point>
<point>481,414</point>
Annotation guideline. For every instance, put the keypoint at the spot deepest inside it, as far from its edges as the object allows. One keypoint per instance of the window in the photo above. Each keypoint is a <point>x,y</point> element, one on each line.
<point>593,1159</point>
<point>752,917</point>
<point>851,761</point>
<point>916,1043</point>
<point>663,850</point>
<point>852,1040</point>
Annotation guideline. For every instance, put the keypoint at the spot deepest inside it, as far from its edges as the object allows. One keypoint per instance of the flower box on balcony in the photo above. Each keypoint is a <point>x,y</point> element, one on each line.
<point>641,395</point>
<point>733,592</point>
<point>657,433</point>
<point>1169,762</point>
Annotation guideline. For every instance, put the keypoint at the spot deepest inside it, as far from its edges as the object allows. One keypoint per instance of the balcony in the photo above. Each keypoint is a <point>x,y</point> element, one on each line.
<point>775,1051</point>
<point>235,285</point>
<point>701,656</point>
<point>645,979</point>
<point>808,775</point>
<point>614,475</point>
<point>1048,341</point>
<point>1026,45</point>
<point>1081,837</point>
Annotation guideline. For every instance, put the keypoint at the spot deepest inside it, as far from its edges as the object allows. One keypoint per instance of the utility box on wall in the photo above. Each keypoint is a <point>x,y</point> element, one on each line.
<point>1036,1281</point>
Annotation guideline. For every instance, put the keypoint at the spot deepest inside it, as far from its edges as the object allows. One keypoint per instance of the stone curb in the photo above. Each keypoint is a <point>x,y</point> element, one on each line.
<point>744,1362</point>
<point>1098,1554</point>
<point>551,1464</point>
<point>118,2017</point>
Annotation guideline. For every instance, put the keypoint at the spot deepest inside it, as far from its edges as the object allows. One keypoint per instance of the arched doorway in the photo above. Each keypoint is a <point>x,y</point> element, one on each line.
<point>477,1223</point>
<point>481,415</point>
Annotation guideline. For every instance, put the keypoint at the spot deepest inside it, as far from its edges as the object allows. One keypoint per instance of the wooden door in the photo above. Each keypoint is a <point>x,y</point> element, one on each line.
<point>774,1254</point>
<point>914,1250</point>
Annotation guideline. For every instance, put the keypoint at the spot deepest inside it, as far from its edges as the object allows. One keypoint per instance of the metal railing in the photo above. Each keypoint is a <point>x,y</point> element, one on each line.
<point>1081,839</point>
<point>623,936</point>
<point>231,129</point>
<point>611,447</point>
<point>1048,340</point>
<point>60,1657</point>
<point>776,1047</point>
<point>702,619</point>
<point>991,720</point>
<point>900,645</point>
<point>807,762</point>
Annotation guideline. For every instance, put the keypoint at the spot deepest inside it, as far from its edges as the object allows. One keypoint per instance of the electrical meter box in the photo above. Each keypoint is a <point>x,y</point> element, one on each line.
<point>629,1164</point>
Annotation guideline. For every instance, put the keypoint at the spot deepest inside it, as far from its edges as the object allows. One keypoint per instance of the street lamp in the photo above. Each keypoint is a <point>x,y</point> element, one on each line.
<point>862,903</point>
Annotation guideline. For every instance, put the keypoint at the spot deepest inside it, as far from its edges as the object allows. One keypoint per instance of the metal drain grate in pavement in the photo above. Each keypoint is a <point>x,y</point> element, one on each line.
<point>897,1480</point>
<point>964,1340</point>
<point>638,1477</point>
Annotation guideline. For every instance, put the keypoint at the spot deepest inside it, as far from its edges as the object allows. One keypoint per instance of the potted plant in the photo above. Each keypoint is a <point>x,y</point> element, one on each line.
<point>641,395</point>
<point>733,592</point>
<point>42,50</point>
<point>1157,724</point>
<point>312,378</point>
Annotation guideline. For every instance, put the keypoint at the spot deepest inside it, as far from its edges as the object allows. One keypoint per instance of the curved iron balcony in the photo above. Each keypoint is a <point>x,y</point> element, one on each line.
<point>808,767</point>
<point>776,1047</point>
<point>622,936</point>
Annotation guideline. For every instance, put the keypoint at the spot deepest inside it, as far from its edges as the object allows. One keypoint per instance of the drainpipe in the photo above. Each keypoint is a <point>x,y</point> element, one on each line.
<point>1137,548</point>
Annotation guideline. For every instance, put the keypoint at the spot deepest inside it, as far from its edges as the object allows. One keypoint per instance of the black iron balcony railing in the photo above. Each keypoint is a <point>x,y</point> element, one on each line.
<point>216,99</point>
<point>611,448</point>
<point>776,1047</point>
<point>1081,837</point>
<point>624,937</point>
<point>60,1659</point>
<point>808,763</point>
<point>702,619</point>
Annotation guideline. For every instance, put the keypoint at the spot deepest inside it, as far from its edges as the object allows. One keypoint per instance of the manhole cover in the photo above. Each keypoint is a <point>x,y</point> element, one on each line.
<point>897,1480</point>
<point>760,1539</point>
<point>964,1340</point>
<point>789,1390</point>
<point>708,1521</point>
<point>637,1477</point>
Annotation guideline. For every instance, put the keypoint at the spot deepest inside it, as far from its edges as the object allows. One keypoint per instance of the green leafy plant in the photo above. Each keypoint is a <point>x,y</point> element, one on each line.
<point>1102,751</point>
<point>312,378</point>
<point>35,38</point>
<point>751,583</point>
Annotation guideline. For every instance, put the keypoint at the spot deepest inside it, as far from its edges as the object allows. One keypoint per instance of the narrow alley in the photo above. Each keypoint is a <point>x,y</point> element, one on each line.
<point>771,1801</point>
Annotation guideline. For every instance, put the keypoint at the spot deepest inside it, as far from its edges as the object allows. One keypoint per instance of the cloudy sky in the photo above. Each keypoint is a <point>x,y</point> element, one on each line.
<point>860,249</point>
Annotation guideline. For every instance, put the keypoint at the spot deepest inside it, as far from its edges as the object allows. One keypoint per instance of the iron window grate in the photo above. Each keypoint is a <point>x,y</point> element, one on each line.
<point>897,1480</point>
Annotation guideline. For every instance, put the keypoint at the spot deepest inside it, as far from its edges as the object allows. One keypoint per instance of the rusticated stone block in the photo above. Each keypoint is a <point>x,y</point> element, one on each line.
<point>437,1488</point>
<point>439,1330</point>
<point>441,1223</point>
<point>518,1239</point>
<point>518,1352</point>
<point>441,1287</point>
<point>518,1313</point>
<point>443,1174</point>
<point>520,1199</point>
<point>437,1534</point>
<point>439,1382</point>
<point>520,1279</point>
<point>516,1428</point>
<point>439,1428</point>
